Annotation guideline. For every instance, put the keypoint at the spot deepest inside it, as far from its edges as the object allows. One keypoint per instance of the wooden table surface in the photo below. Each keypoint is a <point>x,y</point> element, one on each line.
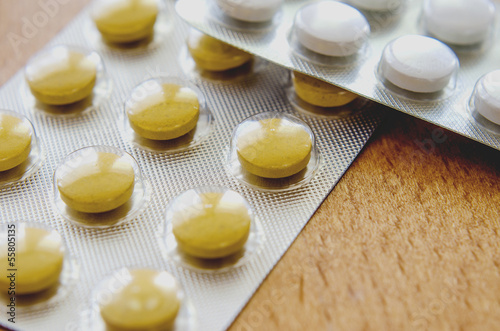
<point>409,239</point>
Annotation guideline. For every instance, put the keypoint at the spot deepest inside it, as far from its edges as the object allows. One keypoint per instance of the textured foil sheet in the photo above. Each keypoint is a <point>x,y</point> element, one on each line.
<point>216,298</point>
<point>275,43</point>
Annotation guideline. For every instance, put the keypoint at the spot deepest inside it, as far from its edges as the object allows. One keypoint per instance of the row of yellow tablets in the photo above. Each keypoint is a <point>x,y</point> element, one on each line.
<point>64,75</point>
<point>268,145</point>
<point>270,148</point>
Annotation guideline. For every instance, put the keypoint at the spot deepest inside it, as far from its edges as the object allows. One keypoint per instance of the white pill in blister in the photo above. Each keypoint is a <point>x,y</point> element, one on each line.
<point>250,10</point>
<point>459,22</point>
<point>377,5</point>
<point>331,28</point>
<point>418,64</point>
<point>486,97</point>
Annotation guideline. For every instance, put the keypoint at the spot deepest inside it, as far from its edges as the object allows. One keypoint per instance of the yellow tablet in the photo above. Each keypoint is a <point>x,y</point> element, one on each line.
<point>273,147</point>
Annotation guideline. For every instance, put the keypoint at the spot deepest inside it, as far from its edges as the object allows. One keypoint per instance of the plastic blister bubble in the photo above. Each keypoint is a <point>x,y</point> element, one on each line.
<point>85,172</point>
<point>154,133</point>
<point>256,16</point>
<point>197,206</point>
<point>206,58</point>
<point>163,25</point>
<point>484,104</point>
<point>418,68</point>
<point>50,296</point>
<point>112,286</point>
<point>36,155</point>
<point>329,102</point>
<point>329,33</point>
<point>467,26</point>
<point>58,58</point>
<point>292,173</point>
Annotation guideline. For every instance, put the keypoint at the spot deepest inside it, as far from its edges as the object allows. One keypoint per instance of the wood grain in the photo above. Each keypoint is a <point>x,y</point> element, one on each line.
<point>408,240</point>
<point>27,25</point>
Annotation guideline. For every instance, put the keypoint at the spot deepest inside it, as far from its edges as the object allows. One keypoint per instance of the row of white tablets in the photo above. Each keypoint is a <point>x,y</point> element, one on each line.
<point>417,67</point>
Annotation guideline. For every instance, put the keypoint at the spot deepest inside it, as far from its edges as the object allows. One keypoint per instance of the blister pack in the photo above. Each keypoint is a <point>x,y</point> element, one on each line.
<point>437,60</point>
<point>191,206</point>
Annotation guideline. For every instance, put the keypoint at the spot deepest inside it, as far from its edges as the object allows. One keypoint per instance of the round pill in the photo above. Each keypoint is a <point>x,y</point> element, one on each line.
<point>273,147</point>
<point>486,97</point>
<point>459,22</point>
<point>211,224</point>
<point>39,260</point>
<point>377,5</point>
<point>124,21</point>
<point>319,93</point>
<point>214,55</point>
<point>250,11</point>
<point>15,140</point>
<point>61,76</point>
<point>331,28</point>
<point>162,111</point>
<point>94,181</point>
<point>141,299</point>
<point>418,64</point>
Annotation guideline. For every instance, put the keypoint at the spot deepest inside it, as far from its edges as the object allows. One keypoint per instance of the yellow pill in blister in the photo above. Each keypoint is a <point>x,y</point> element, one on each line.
<point>143,300</point>
<point>61,76</point>
<point>319,93</point>
<point>96,182</point>
<point>214,55</point>
<point>211,224</point>
<point>39,256</point>
<point>15,141</point>
<point>163,111</point>
<point>273,147</point>
<point>124,21</point>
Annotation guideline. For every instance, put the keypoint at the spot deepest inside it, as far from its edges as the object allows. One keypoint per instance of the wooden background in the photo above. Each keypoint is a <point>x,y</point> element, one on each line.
<point>408,240</point>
